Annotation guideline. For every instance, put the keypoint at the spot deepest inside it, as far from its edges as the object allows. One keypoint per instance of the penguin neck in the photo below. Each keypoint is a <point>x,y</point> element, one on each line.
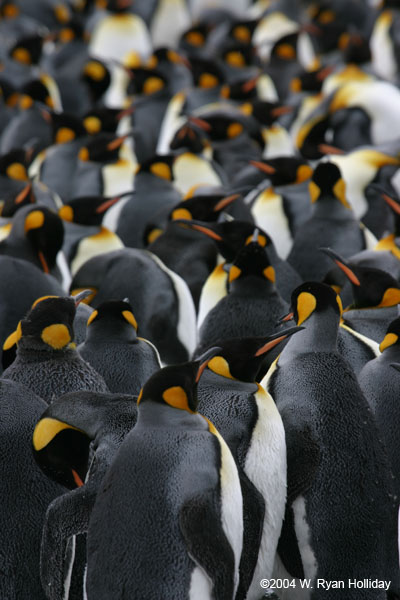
<point>331,208</point>
<point>391,354</point>
<point>38,350</point>
<point>114,331</point>
<point>155,415</point>
<point>147,181</point>
<point>319,335</point>
<point>251,286</point>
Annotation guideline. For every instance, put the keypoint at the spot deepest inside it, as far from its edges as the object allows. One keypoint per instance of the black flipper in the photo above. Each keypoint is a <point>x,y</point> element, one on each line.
<point>303,458</point>
<point>253,519</point>
<point>207,543</point>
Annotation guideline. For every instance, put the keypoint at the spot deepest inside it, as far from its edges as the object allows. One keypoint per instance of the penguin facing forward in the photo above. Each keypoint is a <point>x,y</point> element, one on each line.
<point>228,387</point>
<point>74,442</point>
<point>332,223</point>
<point>167,521</point>
<point>26,494</point>
<point>113,348</point>
<point>380,382</point>
<point>252,306</point>
<point>47,361</point>
<point>340,492</point>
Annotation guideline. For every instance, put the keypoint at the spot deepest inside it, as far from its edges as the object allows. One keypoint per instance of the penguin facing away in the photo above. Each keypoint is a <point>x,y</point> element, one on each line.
<point>379,381</point>
<point>25,495</point>
<point>256,439</point>
<point>253,304</point>
<point>340,491</point>
<point>47,360</point>
<point>114,349</point>
<point>168,515</point>
<point>74,442</point>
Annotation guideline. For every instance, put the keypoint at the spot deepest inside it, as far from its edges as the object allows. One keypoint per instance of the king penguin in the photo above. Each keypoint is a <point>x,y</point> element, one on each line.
<point>228,387</point>
<point>252,306</point>
<point>340,491</point>
<point>114,349</point>
<point>74,442</point>
<point>26,493</point>
<point>380,385</point>
<point>175,468</point>
<point>47,361</point>
<point>332,223</point>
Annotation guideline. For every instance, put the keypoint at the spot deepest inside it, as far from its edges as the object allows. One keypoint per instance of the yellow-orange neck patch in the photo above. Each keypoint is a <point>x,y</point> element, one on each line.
<point>306,304</point>
<point>57,336</point>
<point>176,396</point>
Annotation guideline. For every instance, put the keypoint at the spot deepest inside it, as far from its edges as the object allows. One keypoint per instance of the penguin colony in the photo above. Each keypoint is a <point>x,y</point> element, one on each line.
<point>199,299</point>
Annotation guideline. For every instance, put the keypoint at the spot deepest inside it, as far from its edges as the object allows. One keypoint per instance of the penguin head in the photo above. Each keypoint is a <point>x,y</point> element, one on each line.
<point>354,47</point>
<point>242,89</point>
<point>88,210</point>
<point>206,73</point>
<point>97,77</point>
<point>265,112</point>
<point>285,48</point>
<point>202,207</point>
<point>241,358</point>
<point>372,288</point>
<point>392,336</point>
<point>313,297</point>
<point>117,317</point>
<point>327,182</point>
<point>284,170</point>
<point>159,165</point>
<point>194,39</point>
<point>223,127</point>
<point>44,230</point>
<point>48,325</point>
<point>27,49</point>
<point>311,80</point>
<point>16,200</point>
<point>103,118</point>
<point>65,127</point>
<point>241,31</point>
<point>37,90</point>
<point>251,261</point>
<point>190,138</point>
<point>14,165</point>
<point>115,6</point>
<point>104,147</point>
<point>145,81</point>
<point>239,55</point>
<point>168,57</point>
<point>176,385</point>
<point>230,236</point>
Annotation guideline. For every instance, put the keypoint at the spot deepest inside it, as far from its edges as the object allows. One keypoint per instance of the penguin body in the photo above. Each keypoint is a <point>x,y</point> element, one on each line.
<point>252,306</point>
<point>23,283</point>
<point>37,235</point>
<point>46,361</point>
<point>332,223</point>
<point>230,237</point>
<point>379,382</point>
<point>114,349</point>
<point>184,456</point>
<point>228,388</point>
<point>328,423</point>
<point>160,299</point>
<point>25,496</point>
<point>74,442</point>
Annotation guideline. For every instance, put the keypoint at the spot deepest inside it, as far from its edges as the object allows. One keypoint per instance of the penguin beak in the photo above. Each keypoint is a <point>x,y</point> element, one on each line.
<point>339,261</point>
<point>107,204</point>
<point>43,262</point>
<point>264,167</point>
<point>81,296</point>
<point>281,110</point>
<point>204,359</point>
<point>328,149</point>
<point>22,195</point>
<point>225,202</point>
<point>202,228</point>
<point>199,123</point>
<point>276,339</point>
<point>395,206</point>
<point>286,318</point>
